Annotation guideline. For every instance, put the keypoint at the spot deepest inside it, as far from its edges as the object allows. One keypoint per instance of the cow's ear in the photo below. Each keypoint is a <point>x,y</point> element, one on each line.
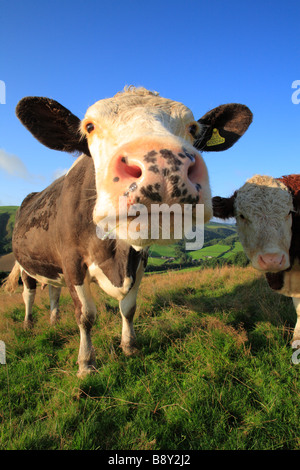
<point>222,127</point>
<point>52,124</point>
<point>297,202</point>
<point>223,207</point>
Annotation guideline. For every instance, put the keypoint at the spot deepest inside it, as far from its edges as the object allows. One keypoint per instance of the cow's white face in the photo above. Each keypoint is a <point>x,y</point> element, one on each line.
<point>263,208</point>
<point>144,149</point>
<point>141,145</point>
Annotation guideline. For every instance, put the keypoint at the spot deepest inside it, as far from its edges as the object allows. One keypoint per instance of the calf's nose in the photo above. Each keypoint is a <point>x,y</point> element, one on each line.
<point>272,261</point>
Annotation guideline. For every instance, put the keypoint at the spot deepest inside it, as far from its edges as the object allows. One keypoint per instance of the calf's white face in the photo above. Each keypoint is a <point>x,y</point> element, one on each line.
<point>263,208</point>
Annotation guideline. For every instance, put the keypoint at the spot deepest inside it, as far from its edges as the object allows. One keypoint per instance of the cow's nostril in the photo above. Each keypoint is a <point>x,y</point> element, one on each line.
<point>193,172</point>
<point>133,170</point>
<point>127,169</point>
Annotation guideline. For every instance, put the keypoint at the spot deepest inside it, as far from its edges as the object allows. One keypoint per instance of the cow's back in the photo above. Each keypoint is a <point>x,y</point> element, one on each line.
<point>34,232</point>
<point>45,219</point>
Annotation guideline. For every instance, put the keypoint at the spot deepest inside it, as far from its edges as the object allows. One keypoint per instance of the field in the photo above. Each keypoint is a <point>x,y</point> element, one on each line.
<point>214,370</point>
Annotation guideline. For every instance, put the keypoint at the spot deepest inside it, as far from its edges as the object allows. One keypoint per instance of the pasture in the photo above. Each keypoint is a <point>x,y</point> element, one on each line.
<point>214,370</point>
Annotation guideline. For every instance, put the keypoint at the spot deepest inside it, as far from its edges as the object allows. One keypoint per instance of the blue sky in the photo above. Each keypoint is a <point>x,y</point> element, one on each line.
<point>203,53</point>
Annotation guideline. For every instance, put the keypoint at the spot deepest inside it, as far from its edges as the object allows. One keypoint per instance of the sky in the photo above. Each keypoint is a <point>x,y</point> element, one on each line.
<point>201,53</point>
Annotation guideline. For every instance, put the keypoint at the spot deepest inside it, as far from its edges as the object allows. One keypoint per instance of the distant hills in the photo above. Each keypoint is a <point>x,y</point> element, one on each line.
<point>7,221</point>
<point>221,245</point>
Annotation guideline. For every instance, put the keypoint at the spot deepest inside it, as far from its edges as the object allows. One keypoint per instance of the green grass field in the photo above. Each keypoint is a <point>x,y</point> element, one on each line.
<point>214,370</point>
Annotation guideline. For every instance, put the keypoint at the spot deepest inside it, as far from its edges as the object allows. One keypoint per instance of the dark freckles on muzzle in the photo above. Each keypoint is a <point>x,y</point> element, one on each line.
<point>169,169</point>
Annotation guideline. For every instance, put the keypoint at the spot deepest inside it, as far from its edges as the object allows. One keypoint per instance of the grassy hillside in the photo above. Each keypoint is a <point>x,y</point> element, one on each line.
<point>214,370</point>
<point>7,220</point>
<point>220,241</point>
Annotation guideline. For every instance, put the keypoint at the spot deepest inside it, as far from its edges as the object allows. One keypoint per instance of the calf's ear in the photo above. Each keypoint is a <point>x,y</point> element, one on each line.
<point>223,207</point>
<point>297,202</point>
<point>222,127</point>
<point>52,124</point>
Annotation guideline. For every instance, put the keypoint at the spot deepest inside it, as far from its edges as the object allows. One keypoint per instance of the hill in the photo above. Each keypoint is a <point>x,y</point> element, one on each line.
<point>214,371</point>
<point>221,246</point>
<point>7,220</point>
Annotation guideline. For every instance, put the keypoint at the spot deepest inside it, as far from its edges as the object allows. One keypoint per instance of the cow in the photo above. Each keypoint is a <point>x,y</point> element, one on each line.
<point>267,212</point>
<point>137,145</point>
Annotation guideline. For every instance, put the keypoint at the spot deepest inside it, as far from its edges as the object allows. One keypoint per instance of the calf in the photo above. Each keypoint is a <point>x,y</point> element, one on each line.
<point>137,145</point>
<point>267,212</point>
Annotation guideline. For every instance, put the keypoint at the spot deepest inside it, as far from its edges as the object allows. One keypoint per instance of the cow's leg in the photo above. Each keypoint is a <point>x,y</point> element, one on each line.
<point>296,335</point>
<point>29,290</point>
<point>127,309</point>
<point>85,311</point>
<point>54,294</point>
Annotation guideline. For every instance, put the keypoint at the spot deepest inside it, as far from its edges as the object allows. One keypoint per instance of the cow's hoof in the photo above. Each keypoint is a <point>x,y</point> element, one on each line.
<point>129,350</point>
<point>54,319</point>
<point>85,371</point>
<point>28,324</point>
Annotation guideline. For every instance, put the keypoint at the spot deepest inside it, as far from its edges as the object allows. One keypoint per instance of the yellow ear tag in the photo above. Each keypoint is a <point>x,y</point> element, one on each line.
<point>215,139</point>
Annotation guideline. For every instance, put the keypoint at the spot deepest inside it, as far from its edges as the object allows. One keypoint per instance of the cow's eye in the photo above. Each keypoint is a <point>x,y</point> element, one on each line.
<point>193,129</point>
<point>89,127</point>
<point>242,217</point>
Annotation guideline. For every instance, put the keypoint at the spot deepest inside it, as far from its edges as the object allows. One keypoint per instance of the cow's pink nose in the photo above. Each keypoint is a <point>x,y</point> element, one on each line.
<point>157,170</point>
<point>272,261</point>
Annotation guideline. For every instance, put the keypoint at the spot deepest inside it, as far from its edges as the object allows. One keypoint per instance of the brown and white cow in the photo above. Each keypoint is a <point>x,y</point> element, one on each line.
<point>267,212</point>
<point>136,144</point>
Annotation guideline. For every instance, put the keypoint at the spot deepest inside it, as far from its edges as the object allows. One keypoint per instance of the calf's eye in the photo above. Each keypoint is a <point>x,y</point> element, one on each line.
<point>242,217</point>
<point>89,127</point>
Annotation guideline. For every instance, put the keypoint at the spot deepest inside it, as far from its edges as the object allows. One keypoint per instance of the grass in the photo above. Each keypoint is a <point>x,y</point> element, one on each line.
<point>214,370</point>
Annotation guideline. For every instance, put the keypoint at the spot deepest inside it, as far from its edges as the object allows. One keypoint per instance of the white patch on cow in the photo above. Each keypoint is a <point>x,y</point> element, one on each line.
<point>118,293</point>
<point>296,302</point>
<point>86,299</point>
<point>54,294</point>
<point>88,316</point>
<point>291,286</point>
<point>58,282</point>
<point>129,300</point>
<point>126,304</point>
<point>28,297</point>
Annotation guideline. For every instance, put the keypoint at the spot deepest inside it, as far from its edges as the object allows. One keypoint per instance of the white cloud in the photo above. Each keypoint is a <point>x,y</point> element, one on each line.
<point>14,166</point>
